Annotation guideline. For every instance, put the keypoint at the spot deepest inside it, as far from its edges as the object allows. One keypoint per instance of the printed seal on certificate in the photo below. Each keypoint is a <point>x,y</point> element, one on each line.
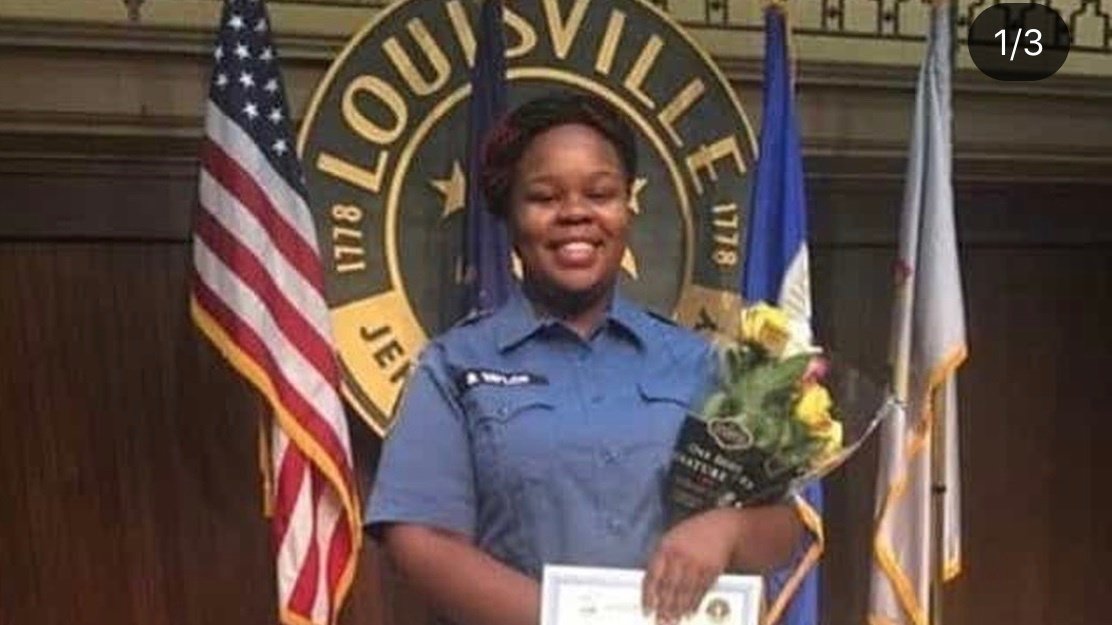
<point>579,595</point>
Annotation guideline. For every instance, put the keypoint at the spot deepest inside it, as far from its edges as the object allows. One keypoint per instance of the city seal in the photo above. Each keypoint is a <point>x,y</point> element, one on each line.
<point>383,146</point>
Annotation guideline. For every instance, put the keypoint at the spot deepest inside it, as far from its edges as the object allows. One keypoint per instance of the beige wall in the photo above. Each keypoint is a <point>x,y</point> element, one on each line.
<point>830,29</point>
<point>95,72</point>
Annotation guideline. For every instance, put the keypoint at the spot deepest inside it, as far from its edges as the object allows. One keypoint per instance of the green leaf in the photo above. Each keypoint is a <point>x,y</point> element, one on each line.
<point>770,432</point>
<point>714,405</point>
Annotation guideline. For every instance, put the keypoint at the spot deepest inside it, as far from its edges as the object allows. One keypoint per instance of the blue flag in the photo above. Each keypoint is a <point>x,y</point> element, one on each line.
<point>776,271</point>
<point>486,251</point>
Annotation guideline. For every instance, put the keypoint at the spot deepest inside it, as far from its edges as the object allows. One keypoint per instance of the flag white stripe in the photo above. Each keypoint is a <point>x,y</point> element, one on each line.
<point>232,139</point>
<point>795,288</point>
<point>292,366</point>
<point>294,549</point>
<point>327,514</point>
<point>279,444</point>
<point>795,295</point>
<point>242,224</point>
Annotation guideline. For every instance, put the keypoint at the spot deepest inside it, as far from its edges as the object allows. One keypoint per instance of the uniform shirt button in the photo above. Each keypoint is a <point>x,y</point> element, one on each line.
<point>610,456</point>
<point>614,525</point>
<point>596,398</point>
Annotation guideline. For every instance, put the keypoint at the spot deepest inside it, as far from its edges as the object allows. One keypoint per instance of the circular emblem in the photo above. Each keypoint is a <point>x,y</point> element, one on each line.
<point>384,151</point>
<point>718,610</point>
<point>729,434</point>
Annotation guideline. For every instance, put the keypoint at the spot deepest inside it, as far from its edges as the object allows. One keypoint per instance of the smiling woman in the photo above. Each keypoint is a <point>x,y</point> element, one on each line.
<point>552,419</point>
<point>571,221</point>
<point>560,171</point>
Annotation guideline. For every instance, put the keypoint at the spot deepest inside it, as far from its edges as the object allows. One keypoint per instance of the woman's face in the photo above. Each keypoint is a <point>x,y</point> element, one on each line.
<point>569,211</point>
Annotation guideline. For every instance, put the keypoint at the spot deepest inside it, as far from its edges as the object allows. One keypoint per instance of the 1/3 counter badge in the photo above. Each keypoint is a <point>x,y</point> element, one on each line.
<point>383,146</point>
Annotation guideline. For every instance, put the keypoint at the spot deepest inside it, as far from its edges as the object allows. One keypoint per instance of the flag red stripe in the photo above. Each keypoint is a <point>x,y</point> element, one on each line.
<point>242,261</point>
<point>254,347</point>
<point>291,475</point>
<point>305,590</point>
<point>339,551</point>
<point>239,183</point>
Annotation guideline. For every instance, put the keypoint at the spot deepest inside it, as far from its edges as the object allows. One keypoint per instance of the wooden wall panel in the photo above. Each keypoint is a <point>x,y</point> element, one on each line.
<point>131,491</point>
<point>1033,396</point>
<point>1037,400</point>
<point>127,494</point>
<point>852,298</point>
<point>132,200</point>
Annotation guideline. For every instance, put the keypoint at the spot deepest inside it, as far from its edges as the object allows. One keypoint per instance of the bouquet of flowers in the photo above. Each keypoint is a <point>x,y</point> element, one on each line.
<point>783,413</point>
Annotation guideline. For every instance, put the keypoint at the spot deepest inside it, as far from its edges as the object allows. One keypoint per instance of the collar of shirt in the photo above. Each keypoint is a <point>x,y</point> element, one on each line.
<point>517,321</point>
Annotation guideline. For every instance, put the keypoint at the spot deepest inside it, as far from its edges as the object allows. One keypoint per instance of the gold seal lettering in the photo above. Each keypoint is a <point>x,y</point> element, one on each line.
<point>417,83</point>
<point>377,337</point>
<point>679,105</point>
<point>342,169</point>
<point>387,352</point>
<point>726,227</point>
<point>462,27</point>
<point>388,95</point>
<point>347,238</point>
<point>609,44</point>
<point>704,157</point>
<point>645,61</point>
<point>563,33</point>
<point>527,36</point>
<point>369,179</point>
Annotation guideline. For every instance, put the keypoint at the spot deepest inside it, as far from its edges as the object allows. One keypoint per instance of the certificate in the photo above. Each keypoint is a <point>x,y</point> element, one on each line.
<point>576,595</point>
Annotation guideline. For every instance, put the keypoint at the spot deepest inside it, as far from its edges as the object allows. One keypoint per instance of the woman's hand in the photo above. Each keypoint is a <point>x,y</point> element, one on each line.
<point>692,555</point>
<point>688,560</point>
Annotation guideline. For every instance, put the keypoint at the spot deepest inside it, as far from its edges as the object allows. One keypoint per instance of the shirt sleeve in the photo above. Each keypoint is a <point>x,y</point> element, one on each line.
<point>425,474</point>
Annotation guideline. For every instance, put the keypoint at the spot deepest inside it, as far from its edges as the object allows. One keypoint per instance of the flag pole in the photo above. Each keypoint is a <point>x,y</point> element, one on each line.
<point>938,506</point>
<point>938,432</point>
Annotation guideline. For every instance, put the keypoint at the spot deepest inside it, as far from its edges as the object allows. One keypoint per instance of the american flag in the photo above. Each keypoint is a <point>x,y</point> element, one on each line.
<point>258,294</point>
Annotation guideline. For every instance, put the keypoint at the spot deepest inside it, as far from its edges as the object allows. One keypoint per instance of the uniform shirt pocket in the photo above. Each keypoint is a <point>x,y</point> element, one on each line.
<point>510,427</point>
<point>663,407</point>
<point>664,404</point>
<point>511,430</point>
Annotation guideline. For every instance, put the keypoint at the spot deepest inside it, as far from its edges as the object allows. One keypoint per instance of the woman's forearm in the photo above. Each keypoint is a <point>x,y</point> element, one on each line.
<point>696,551</point>
<point>460,580</point>
<point>767,537</point>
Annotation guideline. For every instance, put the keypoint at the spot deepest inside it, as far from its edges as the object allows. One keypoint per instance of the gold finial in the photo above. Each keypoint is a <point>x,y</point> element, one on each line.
<point>133,7</point>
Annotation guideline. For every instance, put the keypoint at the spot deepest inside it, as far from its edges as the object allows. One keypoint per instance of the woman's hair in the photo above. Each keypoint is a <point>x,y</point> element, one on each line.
<point>511,136</point>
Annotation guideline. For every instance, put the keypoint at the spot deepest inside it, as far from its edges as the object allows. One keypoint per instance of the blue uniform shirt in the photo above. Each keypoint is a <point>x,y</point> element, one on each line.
<point>543,447</point>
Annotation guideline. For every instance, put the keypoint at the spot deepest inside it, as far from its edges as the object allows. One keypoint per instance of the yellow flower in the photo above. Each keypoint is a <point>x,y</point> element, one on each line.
<point>831,435</point>
<point>767,326</point>
<point>813,408</point>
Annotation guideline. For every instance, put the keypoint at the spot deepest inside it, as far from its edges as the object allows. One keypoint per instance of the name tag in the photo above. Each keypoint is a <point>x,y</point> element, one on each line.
<point>470,378</point>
